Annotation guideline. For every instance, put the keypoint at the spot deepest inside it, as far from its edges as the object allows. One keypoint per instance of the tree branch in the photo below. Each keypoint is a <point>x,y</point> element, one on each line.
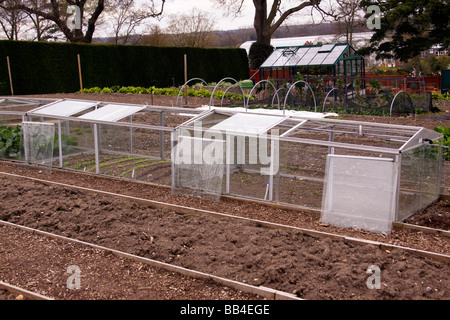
<point>93,20</point>
<point>290,11</point>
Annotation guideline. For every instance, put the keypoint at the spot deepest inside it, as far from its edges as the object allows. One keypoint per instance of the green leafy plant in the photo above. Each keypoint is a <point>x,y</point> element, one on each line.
<point>376,87</point>
<point>358,95</point>
<point>11,142</point>
<point>438,96</point>
<point>115,88</point>
<point>142,166</point>
<point>106,90</point>
<point>92,90</point>
<point>67,143</point>
<point>446,142</point>
<point>319,88</point>
<point>300,85</point>
<point>340,82</point>
<point>85,164</point>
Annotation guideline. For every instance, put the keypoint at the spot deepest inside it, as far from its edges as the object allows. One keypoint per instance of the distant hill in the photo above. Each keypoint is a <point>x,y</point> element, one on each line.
<point>234,38</point>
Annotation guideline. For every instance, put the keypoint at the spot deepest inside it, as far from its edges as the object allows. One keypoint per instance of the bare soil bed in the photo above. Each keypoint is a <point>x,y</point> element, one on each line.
<point>39,264</point>
<point>298,218</point>
<point>311,267</point>
<point>6,295</point>
<point>435,216</point>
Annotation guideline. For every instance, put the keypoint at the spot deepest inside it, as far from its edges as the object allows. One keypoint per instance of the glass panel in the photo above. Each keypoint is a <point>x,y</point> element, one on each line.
<point>359,192</point>
<point>338,50</point>
<point>326,48</point>
<point>77,145</point>
<point>198,166</point>
<point>64,108</point>
<point>431,173</point>
<point>285,57</point>
<point>249,165</point>
<point>329,60</point>
<point>296,57</point>
<point>112,112</point>
<point>302,170</point>
<point>420,179</point>
<point>247,123</point>
<point>38,142</point>
<point>308,56</point>
<point>318,59</point>
<point>272,58</point>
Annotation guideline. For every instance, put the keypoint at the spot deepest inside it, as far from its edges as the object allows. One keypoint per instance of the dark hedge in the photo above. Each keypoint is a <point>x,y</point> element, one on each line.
<point>41,67</point>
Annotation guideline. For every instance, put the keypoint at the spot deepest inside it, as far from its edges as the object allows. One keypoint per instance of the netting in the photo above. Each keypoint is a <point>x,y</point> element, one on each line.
<point>420,179</point>
<point>198,166</point>
<point>359,192</point>
<point>251,165</point>
<point>38,142</point>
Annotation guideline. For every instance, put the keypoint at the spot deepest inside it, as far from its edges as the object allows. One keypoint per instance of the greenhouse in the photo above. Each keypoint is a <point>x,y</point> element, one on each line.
<point>334,60</point>
<point>357,174</point>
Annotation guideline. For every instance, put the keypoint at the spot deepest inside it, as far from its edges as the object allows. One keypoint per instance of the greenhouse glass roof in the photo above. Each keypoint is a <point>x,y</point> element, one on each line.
<point>318,55</point>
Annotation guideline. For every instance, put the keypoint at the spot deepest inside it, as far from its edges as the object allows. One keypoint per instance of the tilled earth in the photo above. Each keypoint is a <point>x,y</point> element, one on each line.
<point>294,262</point>
<point>41,264</point>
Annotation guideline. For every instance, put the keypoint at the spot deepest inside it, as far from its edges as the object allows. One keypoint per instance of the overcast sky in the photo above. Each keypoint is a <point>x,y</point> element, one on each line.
<point>222,22</point>
<point>245,20</point>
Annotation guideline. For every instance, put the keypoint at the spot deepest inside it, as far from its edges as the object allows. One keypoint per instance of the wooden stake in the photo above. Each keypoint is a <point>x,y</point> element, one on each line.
<point>10,77</point>
<point>79,73</point>
<point>185,78</point>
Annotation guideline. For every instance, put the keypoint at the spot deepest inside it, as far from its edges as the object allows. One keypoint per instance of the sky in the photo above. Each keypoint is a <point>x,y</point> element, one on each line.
<point>245,20</point>
<point>215,11</point>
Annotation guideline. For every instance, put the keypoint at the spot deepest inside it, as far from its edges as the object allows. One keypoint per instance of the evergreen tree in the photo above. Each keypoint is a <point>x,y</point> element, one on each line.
<point>408,27</point>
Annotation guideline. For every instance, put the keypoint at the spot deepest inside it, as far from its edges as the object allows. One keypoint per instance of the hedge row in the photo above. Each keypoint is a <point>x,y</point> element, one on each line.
<point>39,67</point>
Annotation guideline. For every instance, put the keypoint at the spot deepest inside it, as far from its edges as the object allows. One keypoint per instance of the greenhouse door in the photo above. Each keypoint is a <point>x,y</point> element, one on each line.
<point>360,192</point>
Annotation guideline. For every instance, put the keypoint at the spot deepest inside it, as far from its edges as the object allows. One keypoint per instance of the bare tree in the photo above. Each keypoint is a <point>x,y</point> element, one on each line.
<point>57,12</point>
<point>12,19</point>
<point>348,16</point>
<point>155,37</point>
<point>266,21</point>
<point>44,29</point>
<point>127,17</point>
<point>192,30</point>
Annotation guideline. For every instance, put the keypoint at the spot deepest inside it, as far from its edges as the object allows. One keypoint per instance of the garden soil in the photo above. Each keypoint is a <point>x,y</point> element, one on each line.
<point>294,262</point>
